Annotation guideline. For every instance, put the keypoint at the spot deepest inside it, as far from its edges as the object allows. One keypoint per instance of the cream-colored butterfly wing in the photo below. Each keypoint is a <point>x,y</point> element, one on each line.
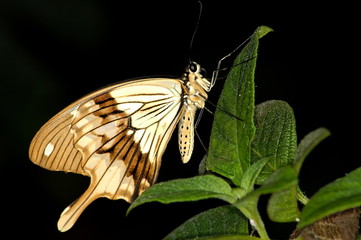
<point>116,135</point>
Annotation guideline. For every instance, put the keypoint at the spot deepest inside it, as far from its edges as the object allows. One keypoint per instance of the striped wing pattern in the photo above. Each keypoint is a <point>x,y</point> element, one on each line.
<point>116,136</point>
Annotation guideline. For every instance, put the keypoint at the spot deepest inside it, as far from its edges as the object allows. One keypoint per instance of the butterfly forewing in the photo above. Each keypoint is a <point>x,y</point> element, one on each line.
<point>53,148</point>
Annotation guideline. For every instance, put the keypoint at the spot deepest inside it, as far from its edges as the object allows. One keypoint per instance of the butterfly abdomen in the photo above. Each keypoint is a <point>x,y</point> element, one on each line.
<point>186,134</point>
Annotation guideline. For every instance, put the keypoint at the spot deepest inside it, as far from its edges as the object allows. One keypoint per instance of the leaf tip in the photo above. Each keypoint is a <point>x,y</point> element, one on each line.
<point>128,210</point>
<point>262,31</point>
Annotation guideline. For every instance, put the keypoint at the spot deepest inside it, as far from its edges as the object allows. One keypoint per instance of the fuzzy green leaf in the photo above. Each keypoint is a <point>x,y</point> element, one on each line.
<point>280,180</point>
<point>307,144</point>
<point>282,206</point>
<point>251,174</point>
<point>216,222</point>
<point>229,237</point>
<point>342,194</point>
<point>275,136</point>
<point>183,190</point>
<point>230,142</point>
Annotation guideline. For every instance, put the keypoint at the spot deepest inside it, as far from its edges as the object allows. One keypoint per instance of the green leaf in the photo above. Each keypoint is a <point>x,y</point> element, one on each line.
<point>251,174</point>
<point>283,207</point>
<point>249,178</point>
<point>342,194</point>
<point>307,144</point>
<point>230,237</point>
<point>216,222</point>
<point>230,142</point>
<point>189,189</point>
<point>275,136</point>
<point>280,180</point>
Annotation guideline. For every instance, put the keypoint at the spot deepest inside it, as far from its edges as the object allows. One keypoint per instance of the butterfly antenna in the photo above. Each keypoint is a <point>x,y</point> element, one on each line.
<point>195,30</point>
<point>218,69</point>
<point>222,110</point>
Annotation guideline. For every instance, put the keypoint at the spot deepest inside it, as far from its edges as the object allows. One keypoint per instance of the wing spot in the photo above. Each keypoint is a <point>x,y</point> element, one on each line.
<point>49,149</point>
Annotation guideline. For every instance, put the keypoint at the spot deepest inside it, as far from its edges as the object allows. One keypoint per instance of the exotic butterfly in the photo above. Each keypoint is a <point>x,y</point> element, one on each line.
<point>117,135</point>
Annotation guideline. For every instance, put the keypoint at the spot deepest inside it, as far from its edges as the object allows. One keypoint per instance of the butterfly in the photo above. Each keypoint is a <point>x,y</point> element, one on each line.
<point>117,135</point>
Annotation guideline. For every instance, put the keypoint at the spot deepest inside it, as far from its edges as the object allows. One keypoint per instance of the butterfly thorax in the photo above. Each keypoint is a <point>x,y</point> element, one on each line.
<point>197,86</point>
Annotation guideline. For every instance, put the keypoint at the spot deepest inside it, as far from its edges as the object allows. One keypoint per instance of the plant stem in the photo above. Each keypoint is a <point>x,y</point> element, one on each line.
<point>301,197</point>
<point>254,217</point>
<point>257,222</point>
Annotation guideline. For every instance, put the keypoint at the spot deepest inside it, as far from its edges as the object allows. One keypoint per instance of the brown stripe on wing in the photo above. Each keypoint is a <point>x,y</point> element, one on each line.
<point>116,144</point>
<point>117,170</point>
<point>116,136</point>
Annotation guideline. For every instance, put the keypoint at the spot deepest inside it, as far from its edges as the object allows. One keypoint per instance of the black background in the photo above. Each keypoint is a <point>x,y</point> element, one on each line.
<point>53,52</point>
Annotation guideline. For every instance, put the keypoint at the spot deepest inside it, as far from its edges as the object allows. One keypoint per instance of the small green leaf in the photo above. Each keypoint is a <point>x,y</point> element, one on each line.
<point>230,142</point>
<point>342,194</point>
<point>216,222</point>
<point>307,144</point>
<point>282,206</point>
<point>189,189</point>
<point>275,136</point>
<point>249,178</point>
<point>230,237</point>
<point>280,180</point>
<point>251,174</point>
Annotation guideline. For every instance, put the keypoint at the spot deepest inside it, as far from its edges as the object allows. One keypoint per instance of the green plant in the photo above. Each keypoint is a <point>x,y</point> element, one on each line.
<point>259,147</point>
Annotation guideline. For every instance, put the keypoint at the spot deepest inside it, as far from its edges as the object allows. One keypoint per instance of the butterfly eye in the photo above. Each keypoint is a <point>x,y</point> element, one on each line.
<point>193,67</point>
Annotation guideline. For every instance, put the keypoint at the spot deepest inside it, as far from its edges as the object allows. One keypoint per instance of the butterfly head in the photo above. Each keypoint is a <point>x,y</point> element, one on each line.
<point>195,74</point>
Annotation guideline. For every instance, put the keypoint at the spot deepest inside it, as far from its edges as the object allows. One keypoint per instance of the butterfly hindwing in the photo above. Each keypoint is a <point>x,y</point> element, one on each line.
<point>116,136</point>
